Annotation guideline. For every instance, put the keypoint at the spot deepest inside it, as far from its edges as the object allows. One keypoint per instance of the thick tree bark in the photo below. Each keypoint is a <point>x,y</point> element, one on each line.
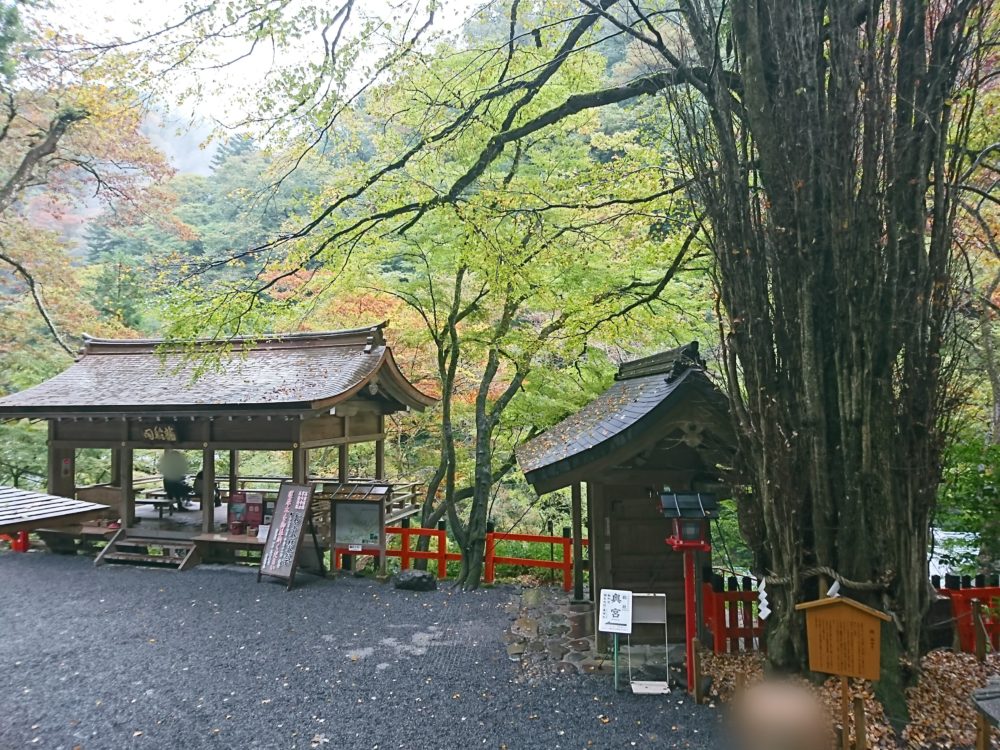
<point>827,182</point>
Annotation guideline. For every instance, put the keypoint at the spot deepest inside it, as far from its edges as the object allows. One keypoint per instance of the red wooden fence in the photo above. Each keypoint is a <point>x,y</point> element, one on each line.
<point>442,556</point>
<point>565,564</point>
<point>730,615</point>
<point>961,611</point>
<point>406,555</point>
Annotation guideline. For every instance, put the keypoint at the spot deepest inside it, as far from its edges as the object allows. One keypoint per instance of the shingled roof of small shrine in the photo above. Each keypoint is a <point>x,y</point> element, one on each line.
<point>640,387</point>
<point>295,371</point>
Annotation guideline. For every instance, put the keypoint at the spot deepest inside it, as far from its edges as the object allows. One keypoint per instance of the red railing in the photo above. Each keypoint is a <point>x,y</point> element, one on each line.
<point>442,556</point>
<point>961,611</point>
<point>406,555</point>
<point>565,564</point>
<point>730,616</point>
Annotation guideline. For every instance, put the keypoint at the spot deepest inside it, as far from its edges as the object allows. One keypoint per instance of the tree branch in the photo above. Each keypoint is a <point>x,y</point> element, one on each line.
<point>25,274</point>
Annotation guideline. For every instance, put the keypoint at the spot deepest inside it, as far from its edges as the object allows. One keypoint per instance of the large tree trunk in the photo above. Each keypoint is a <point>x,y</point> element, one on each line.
<point>828,179</point>
<point>473,543</point>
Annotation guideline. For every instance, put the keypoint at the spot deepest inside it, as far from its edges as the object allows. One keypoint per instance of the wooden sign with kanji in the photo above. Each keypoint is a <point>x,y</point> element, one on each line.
<point>844,637</point>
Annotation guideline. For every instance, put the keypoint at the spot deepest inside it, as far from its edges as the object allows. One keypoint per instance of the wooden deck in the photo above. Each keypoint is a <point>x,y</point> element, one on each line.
<point>21,510</point>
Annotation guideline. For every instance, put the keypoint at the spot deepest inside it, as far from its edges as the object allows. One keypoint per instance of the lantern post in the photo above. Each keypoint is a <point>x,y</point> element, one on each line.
<point>690,513</point>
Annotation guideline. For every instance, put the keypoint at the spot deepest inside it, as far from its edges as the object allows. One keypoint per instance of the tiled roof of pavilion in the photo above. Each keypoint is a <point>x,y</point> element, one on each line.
<point>308,371</point>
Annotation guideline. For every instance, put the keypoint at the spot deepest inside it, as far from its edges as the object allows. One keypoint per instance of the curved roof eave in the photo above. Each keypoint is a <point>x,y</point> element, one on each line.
<point>399,387</point>
<point>546,478</point>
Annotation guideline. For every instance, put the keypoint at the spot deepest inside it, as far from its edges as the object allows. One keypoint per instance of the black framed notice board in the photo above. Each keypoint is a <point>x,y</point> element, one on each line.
<point>292,513</point>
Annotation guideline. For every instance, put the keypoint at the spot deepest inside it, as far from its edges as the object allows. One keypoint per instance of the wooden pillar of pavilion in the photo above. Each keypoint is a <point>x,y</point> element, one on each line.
<point>590,537</point>
<point>380,449</point>
<point>343,454</point>
<point>300,465</point>
<point>207,490</point>
<point>234,471</point>
<point>61,479</point>
<point>577,519</point>
<point>127,508</point>
<point>343,467</point>
<point>116,464</point>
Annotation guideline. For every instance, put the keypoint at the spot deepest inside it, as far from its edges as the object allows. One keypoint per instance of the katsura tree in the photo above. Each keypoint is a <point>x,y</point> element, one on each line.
<point>827,142</point>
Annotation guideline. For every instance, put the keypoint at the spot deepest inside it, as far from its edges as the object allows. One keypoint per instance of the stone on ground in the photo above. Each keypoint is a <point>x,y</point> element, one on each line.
<point>415,580</point>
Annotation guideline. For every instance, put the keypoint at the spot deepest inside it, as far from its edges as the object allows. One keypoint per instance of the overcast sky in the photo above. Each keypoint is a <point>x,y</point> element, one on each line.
<point>187,127</point>
<point>101,20</point>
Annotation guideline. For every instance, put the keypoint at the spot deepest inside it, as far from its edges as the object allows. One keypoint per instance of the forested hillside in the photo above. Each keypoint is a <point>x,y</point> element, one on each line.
<point>559,276</point>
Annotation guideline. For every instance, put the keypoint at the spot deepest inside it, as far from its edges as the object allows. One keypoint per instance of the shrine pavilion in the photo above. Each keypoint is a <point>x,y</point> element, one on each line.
<point>286,392</point>
<point>662,426</point>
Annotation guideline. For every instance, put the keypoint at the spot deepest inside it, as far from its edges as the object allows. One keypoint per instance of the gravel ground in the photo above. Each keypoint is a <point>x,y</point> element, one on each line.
<point>121,657</point>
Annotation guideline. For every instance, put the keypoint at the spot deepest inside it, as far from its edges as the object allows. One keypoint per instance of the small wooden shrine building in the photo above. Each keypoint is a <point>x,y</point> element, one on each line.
<point>661,424</point>
<point>286,392</point>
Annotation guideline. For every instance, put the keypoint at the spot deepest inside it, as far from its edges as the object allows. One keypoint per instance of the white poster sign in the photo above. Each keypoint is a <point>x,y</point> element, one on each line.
<point>615,614</point>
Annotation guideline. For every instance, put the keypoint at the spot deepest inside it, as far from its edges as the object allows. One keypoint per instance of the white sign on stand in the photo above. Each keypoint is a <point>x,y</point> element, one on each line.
<point>615,614</point>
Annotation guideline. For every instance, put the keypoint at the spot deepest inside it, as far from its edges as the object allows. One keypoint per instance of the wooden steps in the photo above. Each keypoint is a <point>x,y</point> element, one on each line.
<point>134,549</point>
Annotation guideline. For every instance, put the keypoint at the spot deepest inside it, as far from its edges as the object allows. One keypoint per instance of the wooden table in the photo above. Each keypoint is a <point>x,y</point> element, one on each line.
<point>158,499</point>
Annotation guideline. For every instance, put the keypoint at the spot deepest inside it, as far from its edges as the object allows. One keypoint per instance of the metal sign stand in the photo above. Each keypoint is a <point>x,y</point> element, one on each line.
<point>650,609</point>
<point>619,611</point>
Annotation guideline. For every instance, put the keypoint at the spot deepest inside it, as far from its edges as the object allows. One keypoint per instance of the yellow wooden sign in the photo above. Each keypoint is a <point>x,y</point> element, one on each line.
<point>844,637</point>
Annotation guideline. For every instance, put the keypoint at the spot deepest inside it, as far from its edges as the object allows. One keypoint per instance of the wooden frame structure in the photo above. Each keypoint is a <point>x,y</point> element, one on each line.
<point>21,510</point>
<point>662,423</point>
<point>287,392</point>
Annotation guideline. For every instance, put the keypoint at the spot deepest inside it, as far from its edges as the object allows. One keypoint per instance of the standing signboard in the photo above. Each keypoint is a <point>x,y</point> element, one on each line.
<point>284,537</point>
<point>621,609</point>
<point>844,638</point>
<point>358,526</point>
<point>615,615</point>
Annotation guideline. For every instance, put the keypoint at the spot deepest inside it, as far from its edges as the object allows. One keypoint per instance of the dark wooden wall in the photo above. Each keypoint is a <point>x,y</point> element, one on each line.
<point>629,551</point>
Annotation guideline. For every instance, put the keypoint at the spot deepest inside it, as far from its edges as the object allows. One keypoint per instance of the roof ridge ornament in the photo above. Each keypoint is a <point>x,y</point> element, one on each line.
<point>687,359</point>
<point>673,363</point>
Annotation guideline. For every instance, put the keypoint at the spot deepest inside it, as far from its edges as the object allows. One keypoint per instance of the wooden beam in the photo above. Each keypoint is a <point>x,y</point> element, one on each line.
<point>249,445</point>
<point>577,516</point>
<point>354,439</point>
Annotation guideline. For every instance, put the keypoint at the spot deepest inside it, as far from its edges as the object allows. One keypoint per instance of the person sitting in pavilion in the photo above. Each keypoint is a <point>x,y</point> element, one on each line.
<point>173,467</point>
<point>199,483</point>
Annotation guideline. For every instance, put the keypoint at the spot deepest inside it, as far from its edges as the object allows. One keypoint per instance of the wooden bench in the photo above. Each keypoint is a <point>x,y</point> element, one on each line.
<point>222,547</point>
<point>68,540</point>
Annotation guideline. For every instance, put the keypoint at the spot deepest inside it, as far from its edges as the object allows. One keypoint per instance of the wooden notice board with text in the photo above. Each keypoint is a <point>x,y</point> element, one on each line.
<point>844,637</point>
<point>284,538</point>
